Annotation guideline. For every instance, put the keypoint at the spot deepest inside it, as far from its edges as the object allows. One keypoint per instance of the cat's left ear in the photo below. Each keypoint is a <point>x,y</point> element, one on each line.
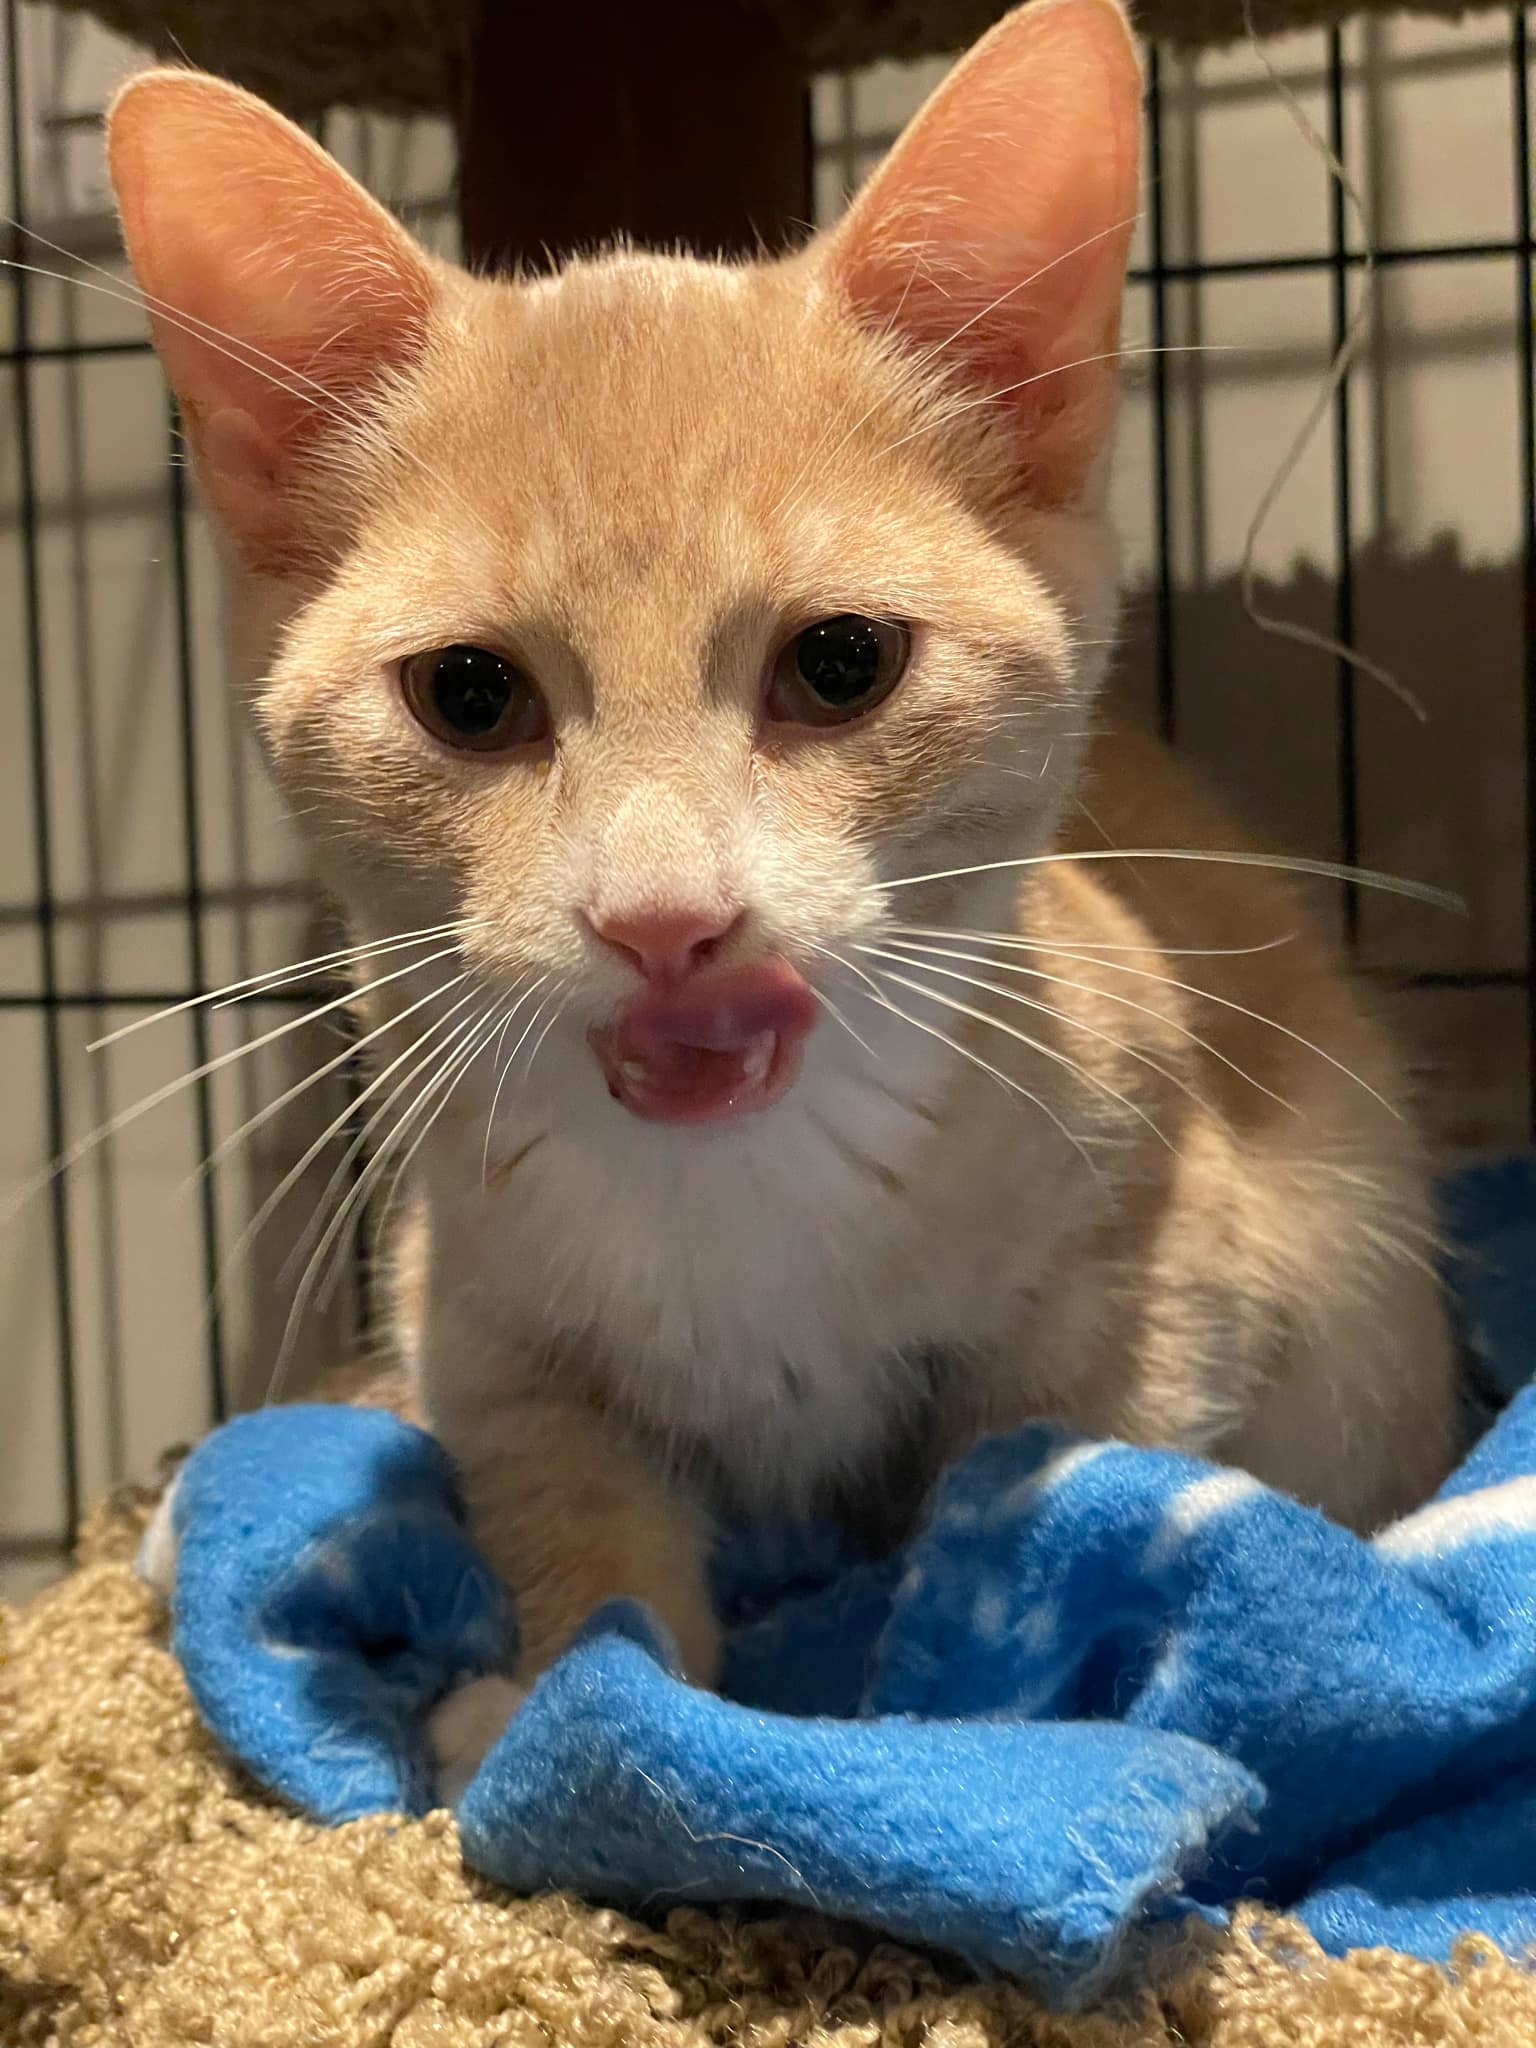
<point>280,294</point>
<point>996,232</point>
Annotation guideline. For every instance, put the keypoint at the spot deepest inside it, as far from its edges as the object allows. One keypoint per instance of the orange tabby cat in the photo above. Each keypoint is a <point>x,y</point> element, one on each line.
<point>715,647</point>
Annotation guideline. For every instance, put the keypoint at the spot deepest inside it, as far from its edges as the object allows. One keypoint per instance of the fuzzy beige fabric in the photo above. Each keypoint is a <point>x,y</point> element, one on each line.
<point>407,56</point>
<point>150,1898</point>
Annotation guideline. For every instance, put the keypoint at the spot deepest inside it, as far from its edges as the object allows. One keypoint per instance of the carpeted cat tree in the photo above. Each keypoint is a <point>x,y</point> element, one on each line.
<point>684,121</point>
<point>150,1897</point>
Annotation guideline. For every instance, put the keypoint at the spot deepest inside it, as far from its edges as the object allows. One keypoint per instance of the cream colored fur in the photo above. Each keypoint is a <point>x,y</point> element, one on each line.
<point>1165,1218</point>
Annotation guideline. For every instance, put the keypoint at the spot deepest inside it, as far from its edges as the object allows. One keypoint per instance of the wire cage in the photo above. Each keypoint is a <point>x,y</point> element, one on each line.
<point>143,861</point>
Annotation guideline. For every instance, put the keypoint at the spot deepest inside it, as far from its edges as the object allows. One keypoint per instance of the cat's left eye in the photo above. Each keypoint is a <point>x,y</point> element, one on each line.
<point>473,698</point>
<point>837,670</point>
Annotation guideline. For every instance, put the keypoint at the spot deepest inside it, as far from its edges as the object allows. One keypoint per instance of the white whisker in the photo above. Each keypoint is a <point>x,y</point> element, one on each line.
<point>1035,1045</point>
<point>248,358</point>
<point>873,990</point>
<point>1124,1002</point>
<point>78,1151</point>
<point>296,1172</point>
<point>554,1018</point>
<point>1029,774</point>
<point>444,1086</point>
<point>1296,864</point>
<point>1087,949</point>
<point>460,1062</point>
<point>348,1052</point>
<point>423,1053</point>
<point>1045,1009</point>
<point>339,1122</point>
<point>975,1059</point>
<point>1258,1017</point>
<point>281,977</point>
<point>502,1069</point>
<point>1023,284</point>
<point>1190,988</point>
<point>284,377</point>
<point>355,1199</point>
<point>1222,1002</point>
<point>848,966</point>
<point>838,1017</point>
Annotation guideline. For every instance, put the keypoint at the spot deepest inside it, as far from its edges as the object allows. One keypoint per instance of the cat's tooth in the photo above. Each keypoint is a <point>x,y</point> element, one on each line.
<point>758,1056</point>
<point>633,1070</point>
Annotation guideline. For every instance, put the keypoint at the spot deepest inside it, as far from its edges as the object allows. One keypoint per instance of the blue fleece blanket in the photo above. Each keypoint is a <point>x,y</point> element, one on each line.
<point>1102,1688</point>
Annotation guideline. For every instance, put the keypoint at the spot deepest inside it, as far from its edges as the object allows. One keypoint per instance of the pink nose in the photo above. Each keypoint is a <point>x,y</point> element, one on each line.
<point>667,945</point>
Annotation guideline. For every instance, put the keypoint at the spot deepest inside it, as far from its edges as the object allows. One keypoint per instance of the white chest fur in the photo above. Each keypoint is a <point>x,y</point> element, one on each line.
<point>760,1288</point>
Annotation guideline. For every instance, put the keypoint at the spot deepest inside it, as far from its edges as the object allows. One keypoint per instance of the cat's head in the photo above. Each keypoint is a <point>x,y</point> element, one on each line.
<point>653,617</point>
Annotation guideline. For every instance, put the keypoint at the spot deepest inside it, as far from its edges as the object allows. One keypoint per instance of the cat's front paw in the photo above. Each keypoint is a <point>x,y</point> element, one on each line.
<point>465,1725</point>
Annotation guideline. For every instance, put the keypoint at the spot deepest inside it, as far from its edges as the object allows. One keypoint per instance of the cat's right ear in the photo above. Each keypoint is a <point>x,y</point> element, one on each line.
<point>279,292</point>
<point>992,241</point>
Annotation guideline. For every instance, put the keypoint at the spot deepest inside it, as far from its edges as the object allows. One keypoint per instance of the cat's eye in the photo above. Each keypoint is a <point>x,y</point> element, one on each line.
<point>473,698</point>
<point>837,670</point>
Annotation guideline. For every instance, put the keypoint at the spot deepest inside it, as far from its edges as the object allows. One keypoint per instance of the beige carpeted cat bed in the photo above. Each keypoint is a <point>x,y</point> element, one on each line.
<point>150,1899</point>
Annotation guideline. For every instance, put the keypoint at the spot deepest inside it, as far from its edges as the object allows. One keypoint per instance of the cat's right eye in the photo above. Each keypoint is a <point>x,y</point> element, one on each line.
<point>473,698</point>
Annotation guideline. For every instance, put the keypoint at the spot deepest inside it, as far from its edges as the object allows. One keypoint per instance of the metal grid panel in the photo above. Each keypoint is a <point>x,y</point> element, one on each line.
<point>101,923</point>
<point>82,948</point>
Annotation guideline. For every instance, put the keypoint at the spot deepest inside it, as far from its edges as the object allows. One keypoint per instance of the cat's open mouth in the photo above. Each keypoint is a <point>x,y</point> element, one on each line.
<point>718,1047</point>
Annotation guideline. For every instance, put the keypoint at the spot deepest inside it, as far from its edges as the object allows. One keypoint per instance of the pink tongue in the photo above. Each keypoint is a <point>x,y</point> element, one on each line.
<point>724,1043</point>
<point>724,1014</point>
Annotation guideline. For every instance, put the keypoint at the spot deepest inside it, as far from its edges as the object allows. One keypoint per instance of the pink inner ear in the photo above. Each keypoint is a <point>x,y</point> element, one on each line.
<point>279,290</point>
<point>996,232</point>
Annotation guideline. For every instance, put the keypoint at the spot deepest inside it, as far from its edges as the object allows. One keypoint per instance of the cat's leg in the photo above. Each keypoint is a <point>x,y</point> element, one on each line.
<point>1360,1415</point>
<point>1293,1322</point>
<point>1269,1311</point>
<point>570,1515</point>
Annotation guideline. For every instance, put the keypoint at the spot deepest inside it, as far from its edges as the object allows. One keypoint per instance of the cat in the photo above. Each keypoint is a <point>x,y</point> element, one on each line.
<point>708,659</point>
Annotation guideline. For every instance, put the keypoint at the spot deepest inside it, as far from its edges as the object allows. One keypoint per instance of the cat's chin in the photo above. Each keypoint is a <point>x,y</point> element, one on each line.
<point>718,1049</point>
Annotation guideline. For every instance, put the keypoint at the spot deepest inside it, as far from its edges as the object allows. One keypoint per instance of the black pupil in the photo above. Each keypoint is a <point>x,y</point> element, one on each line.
<point>472,689</point>
<point>840,659</point>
